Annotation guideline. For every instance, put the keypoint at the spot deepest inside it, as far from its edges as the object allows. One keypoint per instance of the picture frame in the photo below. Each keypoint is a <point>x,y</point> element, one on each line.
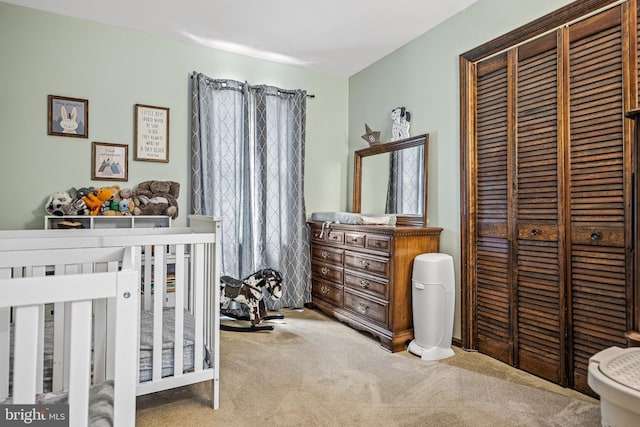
<point>151,133</point>
<point>109,162</point>
<point>68,116</point>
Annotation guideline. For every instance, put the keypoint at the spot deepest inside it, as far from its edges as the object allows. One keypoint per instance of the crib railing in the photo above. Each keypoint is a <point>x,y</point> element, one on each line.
<point>33,279</point>
<point>193,254</point>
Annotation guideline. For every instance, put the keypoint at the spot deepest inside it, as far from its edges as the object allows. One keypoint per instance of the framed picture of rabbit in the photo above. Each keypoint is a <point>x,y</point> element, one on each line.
<point>68,116</point>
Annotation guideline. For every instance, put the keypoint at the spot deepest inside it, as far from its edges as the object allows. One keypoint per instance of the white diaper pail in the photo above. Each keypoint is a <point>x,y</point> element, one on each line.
<point>614,374</point>
<point>433,304</point>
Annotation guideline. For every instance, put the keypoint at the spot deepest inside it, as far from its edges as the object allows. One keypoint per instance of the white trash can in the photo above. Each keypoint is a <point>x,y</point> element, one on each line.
<point>433,293</point>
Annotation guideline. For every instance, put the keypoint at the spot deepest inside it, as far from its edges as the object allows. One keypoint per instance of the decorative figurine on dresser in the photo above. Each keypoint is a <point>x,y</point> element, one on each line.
<point>362,263</point>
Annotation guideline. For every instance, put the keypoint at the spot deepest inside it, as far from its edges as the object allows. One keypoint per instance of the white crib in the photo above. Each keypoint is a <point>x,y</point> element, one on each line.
<point>192,299</point>
<point>68,284</point>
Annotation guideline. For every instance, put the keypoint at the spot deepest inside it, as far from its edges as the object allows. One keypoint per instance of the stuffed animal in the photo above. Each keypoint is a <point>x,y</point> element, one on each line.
<point>77,202</point>
<point>59,204</point>
<point>125,204</point>
<point>110,207</point>
<point>126,207</point>
<point>157,198</point>
<point>84,191</point>
<point>95,200</point>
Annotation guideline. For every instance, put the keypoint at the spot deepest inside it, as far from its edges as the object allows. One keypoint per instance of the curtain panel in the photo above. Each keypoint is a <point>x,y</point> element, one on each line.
<point>248,167</point>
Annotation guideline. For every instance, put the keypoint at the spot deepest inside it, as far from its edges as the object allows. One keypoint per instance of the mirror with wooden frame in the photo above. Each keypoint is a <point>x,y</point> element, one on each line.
<point>392,178</point>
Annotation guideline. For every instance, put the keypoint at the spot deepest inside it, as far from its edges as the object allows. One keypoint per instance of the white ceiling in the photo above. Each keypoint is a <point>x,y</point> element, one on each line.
<point>339,37</point>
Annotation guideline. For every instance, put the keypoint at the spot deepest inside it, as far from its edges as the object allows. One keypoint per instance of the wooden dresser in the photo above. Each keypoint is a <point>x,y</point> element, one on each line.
<point>362,276</point>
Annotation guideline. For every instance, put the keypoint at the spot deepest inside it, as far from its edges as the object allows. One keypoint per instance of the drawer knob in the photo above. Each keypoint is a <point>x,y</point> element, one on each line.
<point>595,236</point>
<point>324,290</point>
<point>325,270</point>
<point>364,284</point>
<point>363,307</point>
<point>364,263</point>
<point>324,254</point>
<point>534,232</point>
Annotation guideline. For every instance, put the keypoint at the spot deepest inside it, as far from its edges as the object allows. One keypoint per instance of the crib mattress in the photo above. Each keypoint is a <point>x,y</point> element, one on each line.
<point>146,346</point>
<point>168,332</point>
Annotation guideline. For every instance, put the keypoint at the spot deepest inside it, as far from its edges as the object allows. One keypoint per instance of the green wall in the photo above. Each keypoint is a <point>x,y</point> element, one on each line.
<point>115,69</point>
<point>423,77</point>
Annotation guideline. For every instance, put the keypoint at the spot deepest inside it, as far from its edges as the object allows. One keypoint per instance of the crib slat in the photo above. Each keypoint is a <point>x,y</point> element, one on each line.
<point>107,333</point>
<point>179,312</point>
<point>148,258</point>
<point>40,271</point>
<point>198,279</point>
<point>159,277</point>
<point>25,359</point>
<point>5,317</point>
<point>80,359</point>
<point>215,260</point>
<point>59,345</point>
<point>4,352</point>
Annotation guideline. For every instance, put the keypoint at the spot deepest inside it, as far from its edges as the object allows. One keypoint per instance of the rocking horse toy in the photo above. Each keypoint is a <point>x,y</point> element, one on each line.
<point>243,299</point>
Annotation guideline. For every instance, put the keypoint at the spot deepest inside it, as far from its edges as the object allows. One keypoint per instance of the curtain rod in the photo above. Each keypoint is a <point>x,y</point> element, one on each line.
<point>309,95</point>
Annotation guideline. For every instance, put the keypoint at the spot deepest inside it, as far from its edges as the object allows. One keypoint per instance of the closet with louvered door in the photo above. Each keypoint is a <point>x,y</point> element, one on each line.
<point>493,270</point>
<point>548,192</point>
<point>598,190</point>
<point>539,282</point>
<point>519,280</point>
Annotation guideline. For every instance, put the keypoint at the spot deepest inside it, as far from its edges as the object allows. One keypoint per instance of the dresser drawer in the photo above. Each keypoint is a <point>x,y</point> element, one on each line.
<point>372,310</point>
<point>378,243</point>
<point>355,240</point>
<point>317,235</point>
<point>336,237</point>
<point>326,272</point>
<point>327,254</point>
<point>375,287</point>
<point>327,292</point>
<point>367,263</point>
<point>326,235</point>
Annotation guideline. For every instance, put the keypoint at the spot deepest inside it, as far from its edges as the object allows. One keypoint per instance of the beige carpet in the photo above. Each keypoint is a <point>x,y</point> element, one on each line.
<point>314,371</point>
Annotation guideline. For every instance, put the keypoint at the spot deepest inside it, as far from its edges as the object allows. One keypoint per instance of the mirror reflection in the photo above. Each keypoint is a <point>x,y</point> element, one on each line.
<point>392,178</point>
<point>394,182</point>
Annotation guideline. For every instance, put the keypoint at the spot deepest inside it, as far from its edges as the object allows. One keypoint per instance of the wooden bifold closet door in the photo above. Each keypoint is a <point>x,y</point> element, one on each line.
<point>550,267</point>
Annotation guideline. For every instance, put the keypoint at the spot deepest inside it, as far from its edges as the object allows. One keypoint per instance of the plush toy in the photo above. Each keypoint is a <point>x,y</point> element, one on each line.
<point>84,191</point>
<point>77,202</point>
<point>110,207</point>
<point>157,198</point>
<point>125,205</point>
<point>95,200</point>
<point>59,204</point>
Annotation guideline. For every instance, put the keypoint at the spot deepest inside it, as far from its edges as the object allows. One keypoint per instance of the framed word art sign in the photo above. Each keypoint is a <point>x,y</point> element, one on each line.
<point>152,133</point>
